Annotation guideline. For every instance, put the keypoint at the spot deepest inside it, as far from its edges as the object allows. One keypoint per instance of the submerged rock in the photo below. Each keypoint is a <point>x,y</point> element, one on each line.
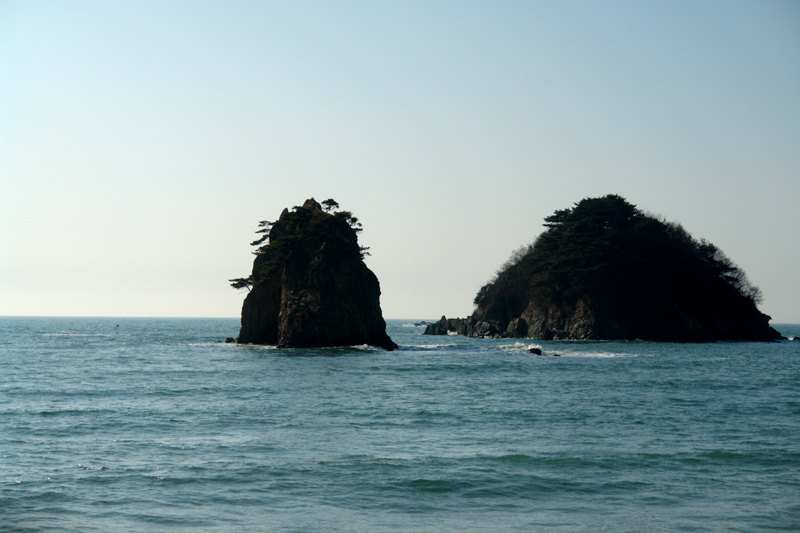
<point>310,286</point>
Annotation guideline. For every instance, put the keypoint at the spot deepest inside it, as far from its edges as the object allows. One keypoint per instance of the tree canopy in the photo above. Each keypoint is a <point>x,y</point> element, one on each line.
<point>607,251</point>
<point>306,227</point>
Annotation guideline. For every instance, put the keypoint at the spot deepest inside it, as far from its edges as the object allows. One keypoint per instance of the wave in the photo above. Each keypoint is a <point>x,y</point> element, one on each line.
<point>519,347</point>
<point>247,346</point>
<point>427,347</point>
<point>70,334</point>
<point>326,350</point>
<point>367,348</point>
<point>73,411</point>
<point>599,354</point>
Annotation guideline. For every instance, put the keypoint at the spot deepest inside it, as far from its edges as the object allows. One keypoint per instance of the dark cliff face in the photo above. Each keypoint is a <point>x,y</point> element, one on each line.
<point>311,287</point>
<point>605,270</point>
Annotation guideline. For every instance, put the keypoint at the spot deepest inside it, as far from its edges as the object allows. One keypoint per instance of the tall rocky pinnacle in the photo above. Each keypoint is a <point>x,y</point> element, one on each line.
<point>311,287</point>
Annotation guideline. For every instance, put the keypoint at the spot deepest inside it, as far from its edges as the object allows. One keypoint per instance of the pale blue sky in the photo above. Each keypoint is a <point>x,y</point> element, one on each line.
<point>141,142</point>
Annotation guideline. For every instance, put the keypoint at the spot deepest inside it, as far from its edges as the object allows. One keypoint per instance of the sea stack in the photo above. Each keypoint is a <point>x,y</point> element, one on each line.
<point>310,286</point>
<point>604,270</point>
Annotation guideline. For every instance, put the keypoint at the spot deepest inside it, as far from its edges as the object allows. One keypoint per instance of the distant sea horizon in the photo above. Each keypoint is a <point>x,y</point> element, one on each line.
<point>788,326</point>
<point>772,323</point>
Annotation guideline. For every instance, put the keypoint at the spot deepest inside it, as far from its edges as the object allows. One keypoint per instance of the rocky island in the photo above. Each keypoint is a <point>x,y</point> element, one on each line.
<point>309,286</point>
<point>604,270</point>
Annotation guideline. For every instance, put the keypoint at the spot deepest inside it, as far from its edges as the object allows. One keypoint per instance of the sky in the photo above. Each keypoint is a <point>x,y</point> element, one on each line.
<point>141,142</point>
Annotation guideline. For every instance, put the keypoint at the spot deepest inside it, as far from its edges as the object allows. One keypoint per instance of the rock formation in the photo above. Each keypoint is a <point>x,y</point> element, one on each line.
<point>604,270</point>
<point>310,286</point>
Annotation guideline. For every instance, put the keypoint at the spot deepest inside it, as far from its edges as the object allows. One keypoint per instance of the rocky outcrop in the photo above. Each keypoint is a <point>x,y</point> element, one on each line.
<point>311,287</point>
<point>582,323</point>
<point>604,270</point>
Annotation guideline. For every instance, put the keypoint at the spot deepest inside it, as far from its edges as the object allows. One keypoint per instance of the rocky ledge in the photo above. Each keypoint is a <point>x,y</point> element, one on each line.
<point>309,286</point>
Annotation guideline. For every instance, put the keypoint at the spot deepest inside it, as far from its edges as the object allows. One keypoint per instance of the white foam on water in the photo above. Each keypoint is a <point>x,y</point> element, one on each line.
<point>595,354</point>
<point>69,334</point>
<point>432,346</point>
<point>519,347</point>
<point>367,348</point>
<point>249,346</point>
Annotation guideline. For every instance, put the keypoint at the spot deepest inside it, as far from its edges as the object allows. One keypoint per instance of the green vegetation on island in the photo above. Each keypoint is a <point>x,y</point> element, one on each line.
<point>604,269</point>
<point>301,228</point>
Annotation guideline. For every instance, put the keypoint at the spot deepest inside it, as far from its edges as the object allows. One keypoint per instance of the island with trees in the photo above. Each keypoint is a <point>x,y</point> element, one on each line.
<point>309,286</point>
<point>605,270</point>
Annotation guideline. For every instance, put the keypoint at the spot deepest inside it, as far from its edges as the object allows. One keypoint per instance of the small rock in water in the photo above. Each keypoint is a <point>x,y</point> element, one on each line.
<point>536,351</point>
<point>230,340</point>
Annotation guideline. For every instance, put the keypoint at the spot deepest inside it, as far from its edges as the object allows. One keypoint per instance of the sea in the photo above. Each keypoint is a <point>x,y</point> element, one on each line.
<point>154,425</point>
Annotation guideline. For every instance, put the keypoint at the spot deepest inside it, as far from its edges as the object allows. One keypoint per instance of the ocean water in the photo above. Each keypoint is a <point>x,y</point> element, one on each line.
<point>142,425</point>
